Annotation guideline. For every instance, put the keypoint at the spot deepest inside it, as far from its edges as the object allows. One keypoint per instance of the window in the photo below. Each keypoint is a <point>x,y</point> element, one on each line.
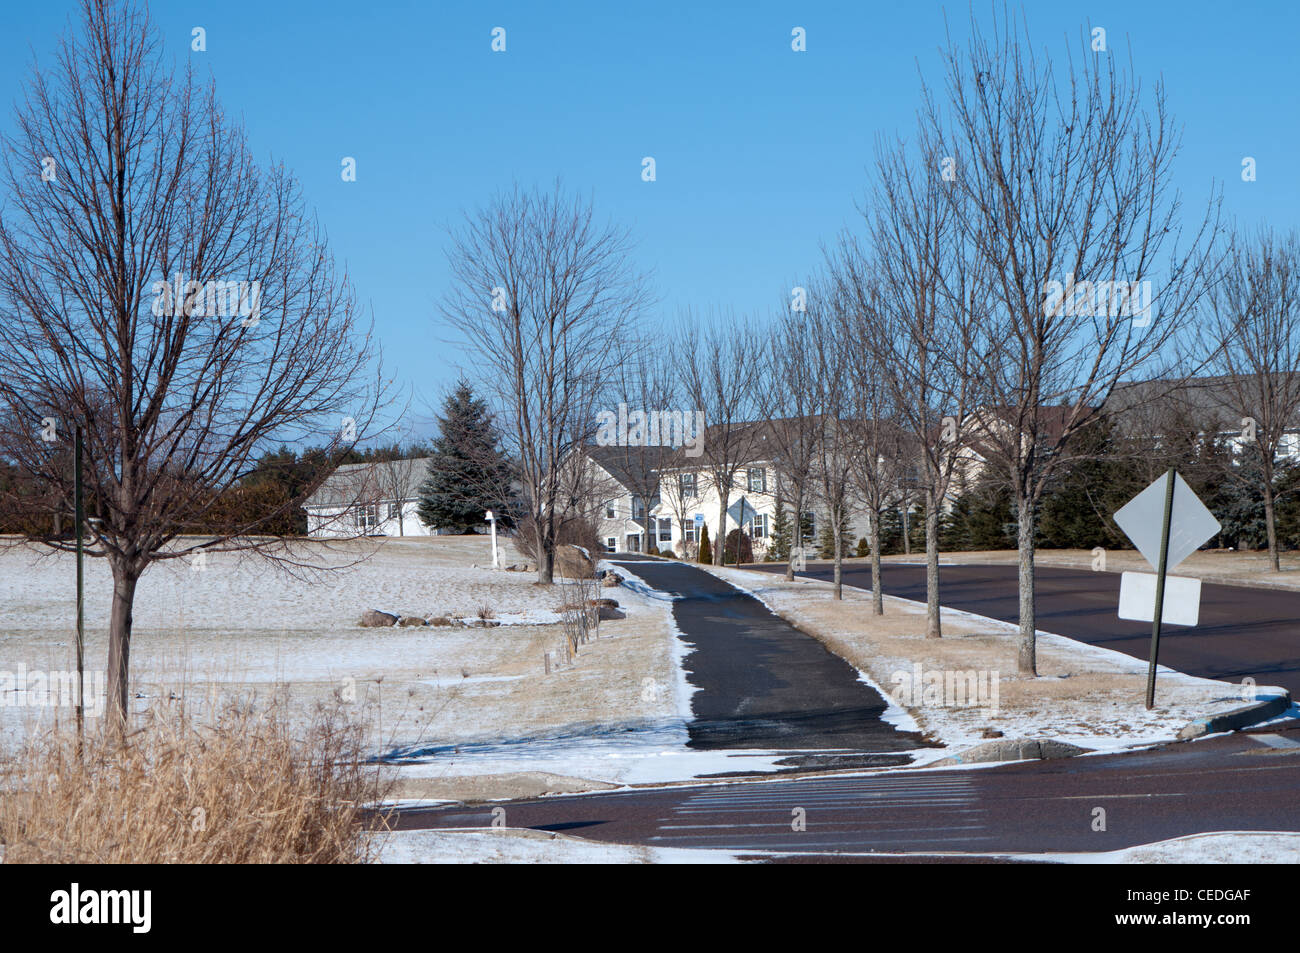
<point>394,510</point>
<point>638,508</point>
<point>665,531</point>
<point>367,516</point>
<point>611,543</point>
<point>611,510</point>
<point>691,533</point>
<point>760,526</point>
<point>686,481</point>
<point>757,480</point>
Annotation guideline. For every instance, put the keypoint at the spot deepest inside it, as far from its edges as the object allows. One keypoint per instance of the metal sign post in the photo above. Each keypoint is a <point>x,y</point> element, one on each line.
<point>81,602</point>
<point>1161,570</point>
<point>1167,522</point>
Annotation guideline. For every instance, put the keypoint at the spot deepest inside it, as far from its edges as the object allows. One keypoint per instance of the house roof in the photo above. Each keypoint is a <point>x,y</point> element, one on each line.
<point>632,467</point>
<point>1217,401</point>
<point>372,482</point>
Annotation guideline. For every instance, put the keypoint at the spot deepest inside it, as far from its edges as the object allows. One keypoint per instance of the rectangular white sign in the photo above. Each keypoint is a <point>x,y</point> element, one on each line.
<point>1137,599</point>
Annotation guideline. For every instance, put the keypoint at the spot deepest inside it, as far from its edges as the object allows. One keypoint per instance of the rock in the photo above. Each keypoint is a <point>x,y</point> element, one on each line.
<point>1013,749</point>
<point>611,580</point>
<point>991,733</point>
<point>440,620</point>
<point>410,620</point>
<point>572,562</point>
<point>373,618</point>
<point>603,603</point>
<point>607,612</point>
<point>484,624</point>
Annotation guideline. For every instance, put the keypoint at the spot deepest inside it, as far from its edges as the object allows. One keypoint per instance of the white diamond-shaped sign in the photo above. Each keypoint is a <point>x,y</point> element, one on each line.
<point>1190,526</point>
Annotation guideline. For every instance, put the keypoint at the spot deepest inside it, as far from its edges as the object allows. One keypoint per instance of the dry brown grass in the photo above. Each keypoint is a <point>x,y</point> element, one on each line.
<point>239,787</point>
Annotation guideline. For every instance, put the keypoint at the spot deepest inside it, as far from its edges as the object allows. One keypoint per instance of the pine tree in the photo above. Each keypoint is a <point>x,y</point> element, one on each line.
<point>864,547</point>
<point>778,550</point>
<point>706,551</point>
<point>467,473</point>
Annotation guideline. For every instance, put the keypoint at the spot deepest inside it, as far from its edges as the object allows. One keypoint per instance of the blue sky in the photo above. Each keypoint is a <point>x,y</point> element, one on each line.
<point>761,152</point>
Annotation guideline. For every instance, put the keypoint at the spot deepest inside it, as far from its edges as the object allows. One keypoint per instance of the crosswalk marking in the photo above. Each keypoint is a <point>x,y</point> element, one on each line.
<point>1276,741</point>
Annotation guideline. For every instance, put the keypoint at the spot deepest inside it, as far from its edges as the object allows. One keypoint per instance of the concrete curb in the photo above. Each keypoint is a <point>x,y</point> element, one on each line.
<point>1011,749</point>
<point>1237,718</point>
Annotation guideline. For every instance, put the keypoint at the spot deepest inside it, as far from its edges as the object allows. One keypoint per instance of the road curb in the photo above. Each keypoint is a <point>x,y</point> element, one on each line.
<point>1011,749</point>
<point>1237,718</point>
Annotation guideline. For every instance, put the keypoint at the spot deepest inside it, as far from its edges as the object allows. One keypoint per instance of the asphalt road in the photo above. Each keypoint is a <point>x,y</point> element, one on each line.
<point>1240,782</point>
<point>764,684</point>
<point>1243,632</point>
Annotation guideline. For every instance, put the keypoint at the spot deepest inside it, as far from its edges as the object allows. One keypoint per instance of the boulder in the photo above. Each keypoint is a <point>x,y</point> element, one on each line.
<point>573,562</point>
<point>611,580</point>
<point>409,620</point>
<point>373,618</point>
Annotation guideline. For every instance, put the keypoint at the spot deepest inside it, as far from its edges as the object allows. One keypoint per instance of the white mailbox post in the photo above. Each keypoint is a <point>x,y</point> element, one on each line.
<point>491,518</point>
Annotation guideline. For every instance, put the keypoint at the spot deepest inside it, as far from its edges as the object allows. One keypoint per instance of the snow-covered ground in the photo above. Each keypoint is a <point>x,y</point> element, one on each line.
<point>242,627</point>
<point>506,846</point>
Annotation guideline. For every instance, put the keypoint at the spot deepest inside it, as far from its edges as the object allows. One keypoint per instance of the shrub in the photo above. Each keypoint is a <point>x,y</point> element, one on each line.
<point>739,548</point>
<point>571,532</point>
<point>706,551</point>
<point>241,787</point>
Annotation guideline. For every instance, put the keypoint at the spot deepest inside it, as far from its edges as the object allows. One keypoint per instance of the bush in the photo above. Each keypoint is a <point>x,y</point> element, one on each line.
<point>706,551</point>
<point>571,532</point>
<point>240,788</point>
<point>739,548</point>
<point>864,547</point>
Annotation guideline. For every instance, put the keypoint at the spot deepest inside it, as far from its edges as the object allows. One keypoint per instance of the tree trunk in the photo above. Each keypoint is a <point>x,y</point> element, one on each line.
<point>1270,522</point>
<point>877,597</point>
<point>720,544</point>
<point>545,552</point>
<point>839,557</point>
<point>119,642</point>
<point>1028,660</point>
<point>933,624</point>
<point>907,527</point>
<point>796,537</point>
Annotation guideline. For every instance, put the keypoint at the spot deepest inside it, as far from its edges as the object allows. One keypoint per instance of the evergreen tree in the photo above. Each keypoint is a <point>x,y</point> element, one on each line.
<point>891,531</point>
<point>778,549</point>
<point>706,551</point>
<point>826,541</point>
<point>467,473</point>
<point>864,547</point>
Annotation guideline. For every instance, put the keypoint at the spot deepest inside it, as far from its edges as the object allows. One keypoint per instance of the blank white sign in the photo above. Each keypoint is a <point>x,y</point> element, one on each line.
<point>1137,599</point>
<point>1143,519</point>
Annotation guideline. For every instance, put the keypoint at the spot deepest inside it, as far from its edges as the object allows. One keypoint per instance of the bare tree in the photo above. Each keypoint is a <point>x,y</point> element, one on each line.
<point>1062,175</point>
<point>647,384</point>
<point>721,379</point>
<point>396,478</point>
<point>877,443</point>
<point>788,401</point>
<point>166,296</point>
<point>1254,335</point>
<point>832,405</point>
<point>546,298</point>
<point>916,307</point>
